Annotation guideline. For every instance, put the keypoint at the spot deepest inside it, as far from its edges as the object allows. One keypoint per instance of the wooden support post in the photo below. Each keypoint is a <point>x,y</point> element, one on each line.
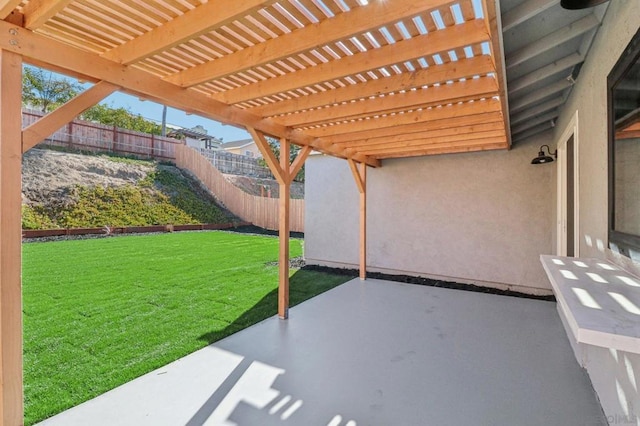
<point>360,175</point>
<point>11,405</point>
<point>284,173</point>
<point>283,230</point>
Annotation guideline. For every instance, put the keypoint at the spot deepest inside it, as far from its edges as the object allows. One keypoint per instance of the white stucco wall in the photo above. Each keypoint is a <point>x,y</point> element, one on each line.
<point>589,100</point>
<point>474,218</point>
<point>615,375</point>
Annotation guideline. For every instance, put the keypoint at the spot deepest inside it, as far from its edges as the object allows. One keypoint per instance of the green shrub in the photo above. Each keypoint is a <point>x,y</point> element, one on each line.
<point>35,218</point>
<point>124,206</point>
<point>164,196</point>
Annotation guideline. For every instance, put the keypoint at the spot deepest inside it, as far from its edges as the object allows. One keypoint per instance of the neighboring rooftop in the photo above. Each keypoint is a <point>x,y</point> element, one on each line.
<point>237,144</point>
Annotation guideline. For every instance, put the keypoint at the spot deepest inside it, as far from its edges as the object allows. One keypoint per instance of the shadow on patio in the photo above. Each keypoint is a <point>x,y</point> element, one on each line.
<point>299,283</point>
<point>370,353</point>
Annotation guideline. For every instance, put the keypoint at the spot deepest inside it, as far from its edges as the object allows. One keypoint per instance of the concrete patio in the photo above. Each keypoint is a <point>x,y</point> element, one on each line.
<point>370,353</point>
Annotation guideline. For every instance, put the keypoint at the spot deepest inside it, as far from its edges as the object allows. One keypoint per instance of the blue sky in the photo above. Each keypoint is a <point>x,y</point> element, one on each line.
<point>153,111</point>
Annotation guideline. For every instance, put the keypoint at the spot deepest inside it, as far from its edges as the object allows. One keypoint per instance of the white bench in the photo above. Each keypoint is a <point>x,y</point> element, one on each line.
<point>600,301</point>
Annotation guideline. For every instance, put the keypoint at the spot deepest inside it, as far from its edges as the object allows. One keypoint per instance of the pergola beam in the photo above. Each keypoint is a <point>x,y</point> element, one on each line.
<point>37,12</point>
<point>451,71</point>
<point>11,403</point>
<point>403,137</point>
<point>388,133</point>
<point>8,6</point>
<point>341,26</point>
<point>432,96</point>
<point>47,125</point>
<point>481,145</point>
<point>442,141</point>
<point>46,51</point>
<point>469,33</point>
<point>192,24</point>
<point>397,120</point>
<point>496,44</point>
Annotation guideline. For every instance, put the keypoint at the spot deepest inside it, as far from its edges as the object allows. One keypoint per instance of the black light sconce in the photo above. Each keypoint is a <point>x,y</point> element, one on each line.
<point>542,159</point>
<point>580,4</point>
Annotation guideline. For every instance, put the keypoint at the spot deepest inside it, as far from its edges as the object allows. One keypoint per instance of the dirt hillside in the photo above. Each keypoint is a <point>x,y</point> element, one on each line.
<point>67,190</point>
<point>48,176</point>
<point>264,187</point>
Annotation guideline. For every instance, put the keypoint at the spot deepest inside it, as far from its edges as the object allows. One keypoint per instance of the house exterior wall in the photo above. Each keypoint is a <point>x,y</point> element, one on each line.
<point>253,148</point>
<point>589,100</point>
<point>474,218</point>
<point>615,375</point>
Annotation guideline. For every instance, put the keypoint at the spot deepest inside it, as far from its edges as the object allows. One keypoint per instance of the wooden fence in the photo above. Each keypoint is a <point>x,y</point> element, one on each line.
<point>94,137</point>
<point>260,211</point>
<point>235,164</point>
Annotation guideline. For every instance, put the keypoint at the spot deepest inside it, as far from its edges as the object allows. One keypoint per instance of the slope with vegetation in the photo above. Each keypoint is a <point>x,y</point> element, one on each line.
<point>63,190</point>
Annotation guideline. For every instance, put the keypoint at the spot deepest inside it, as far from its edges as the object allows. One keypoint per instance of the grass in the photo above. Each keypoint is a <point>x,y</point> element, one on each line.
<point>98,313</point>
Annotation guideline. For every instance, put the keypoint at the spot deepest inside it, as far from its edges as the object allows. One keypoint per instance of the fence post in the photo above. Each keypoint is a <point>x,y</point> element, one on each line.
<point>70,132</point>
<point>152,155</point>
<point>115,139</point>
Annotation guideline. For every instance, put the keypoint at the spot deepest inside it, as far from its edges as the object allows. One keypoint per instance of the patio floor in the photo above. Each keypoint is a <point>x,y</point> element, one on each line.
<point>370,353</point>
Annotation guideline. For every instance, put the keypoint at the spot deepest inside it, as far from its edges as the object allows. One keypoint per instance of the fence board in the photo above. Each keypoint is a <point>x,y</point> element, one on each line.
<point>260,211</point>
<point>94,137</point>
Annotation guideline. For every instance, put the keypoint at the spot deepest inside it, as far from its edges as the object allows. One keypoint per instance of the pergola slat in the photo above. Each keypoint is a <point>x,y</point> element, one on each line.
<point>481,145</point>
<point>432,96</point>
<point>426,115</point>
<point>343,26</point>
<point>406,136</point>
<point>469,33</point>
<point>408,129</point>
<point>190,25</point>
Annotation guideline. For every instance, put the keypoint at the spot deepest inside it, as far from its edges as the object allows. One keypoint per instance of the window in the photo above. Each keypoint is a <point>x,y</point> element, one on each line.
<point>624,152</point>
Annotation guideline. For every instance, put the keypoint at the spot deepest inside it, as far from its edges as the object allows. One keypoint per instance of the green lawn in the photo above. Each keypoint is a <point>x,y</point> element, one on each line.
<point>98,313</point>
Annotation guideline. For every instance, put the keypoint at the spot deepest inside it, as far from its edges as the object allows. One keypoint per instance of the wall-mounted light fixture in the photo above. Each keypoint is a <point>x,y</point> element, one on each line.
<point>580,4</point>
<point>542,158</point>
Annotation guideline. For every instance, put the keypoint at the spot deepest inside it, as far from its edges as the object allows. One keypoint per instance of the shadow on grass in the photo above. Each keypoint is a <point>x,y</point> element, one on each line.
<point>303,285</point>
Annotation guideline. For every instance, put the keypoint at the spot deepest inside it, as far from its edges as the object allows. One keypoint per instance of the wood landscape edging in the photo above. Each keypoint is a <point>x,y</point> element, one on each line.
<point>108,230</point>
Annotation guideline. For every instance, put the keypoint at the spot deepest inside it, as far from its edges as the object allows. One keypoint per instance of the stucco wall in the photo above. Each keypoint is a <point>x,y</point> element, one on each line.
<point>615,375</point>
<point>475,218</point>
<point>589,99</point>
<point>253,148</point>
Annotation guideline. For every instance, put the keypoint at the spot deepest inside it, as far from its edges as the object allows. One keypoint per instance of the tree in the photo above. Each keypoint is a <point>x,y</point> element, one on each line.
<point>41,89</point>
<point>121,117</point>
<point>46,91</point>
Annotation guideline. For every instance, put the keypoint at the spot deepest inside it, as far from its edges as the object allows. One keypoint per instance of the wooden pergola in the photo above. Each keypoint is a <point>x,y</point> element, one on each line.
<point>362,80</point>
